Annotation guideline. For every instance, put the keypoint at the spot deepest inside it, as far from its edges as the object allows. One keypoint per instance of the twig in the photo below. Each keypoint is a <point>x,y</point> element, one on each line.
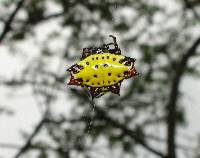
<point>171,116</point>
<point>28,142</point>
<point>7,26</point>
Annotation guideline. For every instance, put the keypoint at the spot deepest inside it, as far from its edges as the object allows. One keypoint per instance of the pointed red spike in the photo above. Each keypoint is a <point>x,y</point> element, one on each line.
<point>73,82</point>
<point>133,72</point>
<point>77,82</point>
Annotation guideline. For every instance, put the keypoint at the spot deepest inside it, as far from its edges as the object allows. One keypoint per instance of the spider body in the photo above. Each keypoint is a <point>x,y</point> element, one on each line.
<point>102,69</point>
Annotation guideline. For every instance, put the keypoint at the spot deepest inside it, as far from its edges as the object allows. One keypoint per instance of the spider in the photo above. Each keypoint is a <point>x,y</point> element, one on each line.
<point>102,69</point>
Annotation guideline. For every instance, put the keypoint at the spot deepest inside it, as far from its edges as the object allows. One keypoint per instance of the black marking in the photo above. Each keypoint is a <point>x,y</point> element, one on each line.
<point>105,65</point>
<point>109,74</point>
<point>95,75</point>
<point>87,63</point>
<point>115,89</point>
<point>127,63</point>
<point>86,52</point>
<point>96,92</point>
<point>126,73</point>
<point>75,68</point>
<point>96,66</point>
<point>121,61</point>
<point>80,79</point>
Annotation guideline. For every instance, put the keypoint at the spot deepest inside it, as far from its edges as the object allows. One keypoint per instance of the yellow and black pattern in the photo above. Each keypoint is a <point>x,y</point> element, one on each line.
<point>102,69</point>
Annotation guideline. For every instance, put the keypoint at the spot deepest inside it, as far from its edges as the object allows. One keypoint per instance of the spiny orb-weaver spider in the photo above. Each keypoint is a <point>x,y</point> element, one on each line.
<point>102,69</point>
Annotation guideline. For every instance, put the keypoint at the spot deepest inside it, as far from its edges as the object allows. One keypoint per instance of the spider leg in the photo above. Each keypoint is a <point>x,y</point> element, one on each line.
<point>114,39</point>
<point>116,50</point>
<point>105,47</point>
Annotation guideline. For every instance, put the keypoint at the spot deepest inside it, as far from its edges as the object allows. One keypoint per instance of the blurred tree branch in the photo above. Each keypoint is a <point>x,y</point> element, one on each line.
<point>8,23</point>
<point>174,92</point>
<point>27,145</point>
<point>44,18</point>
<point>102,114</point>
<point>189,5</point>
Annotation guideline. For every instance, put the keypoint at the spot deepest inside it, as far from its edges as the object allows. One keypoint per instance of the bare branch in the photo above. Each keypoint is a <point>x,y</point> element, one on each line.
<point>27,145</point>
<point>51,16</point>
<point>174,92</point>
<point>8,23</point>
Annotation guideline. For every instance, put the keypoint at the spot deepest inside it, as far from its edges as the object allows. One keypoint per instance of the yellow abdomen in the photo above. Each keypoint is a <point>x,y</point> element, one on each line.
<point>102,70</point>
